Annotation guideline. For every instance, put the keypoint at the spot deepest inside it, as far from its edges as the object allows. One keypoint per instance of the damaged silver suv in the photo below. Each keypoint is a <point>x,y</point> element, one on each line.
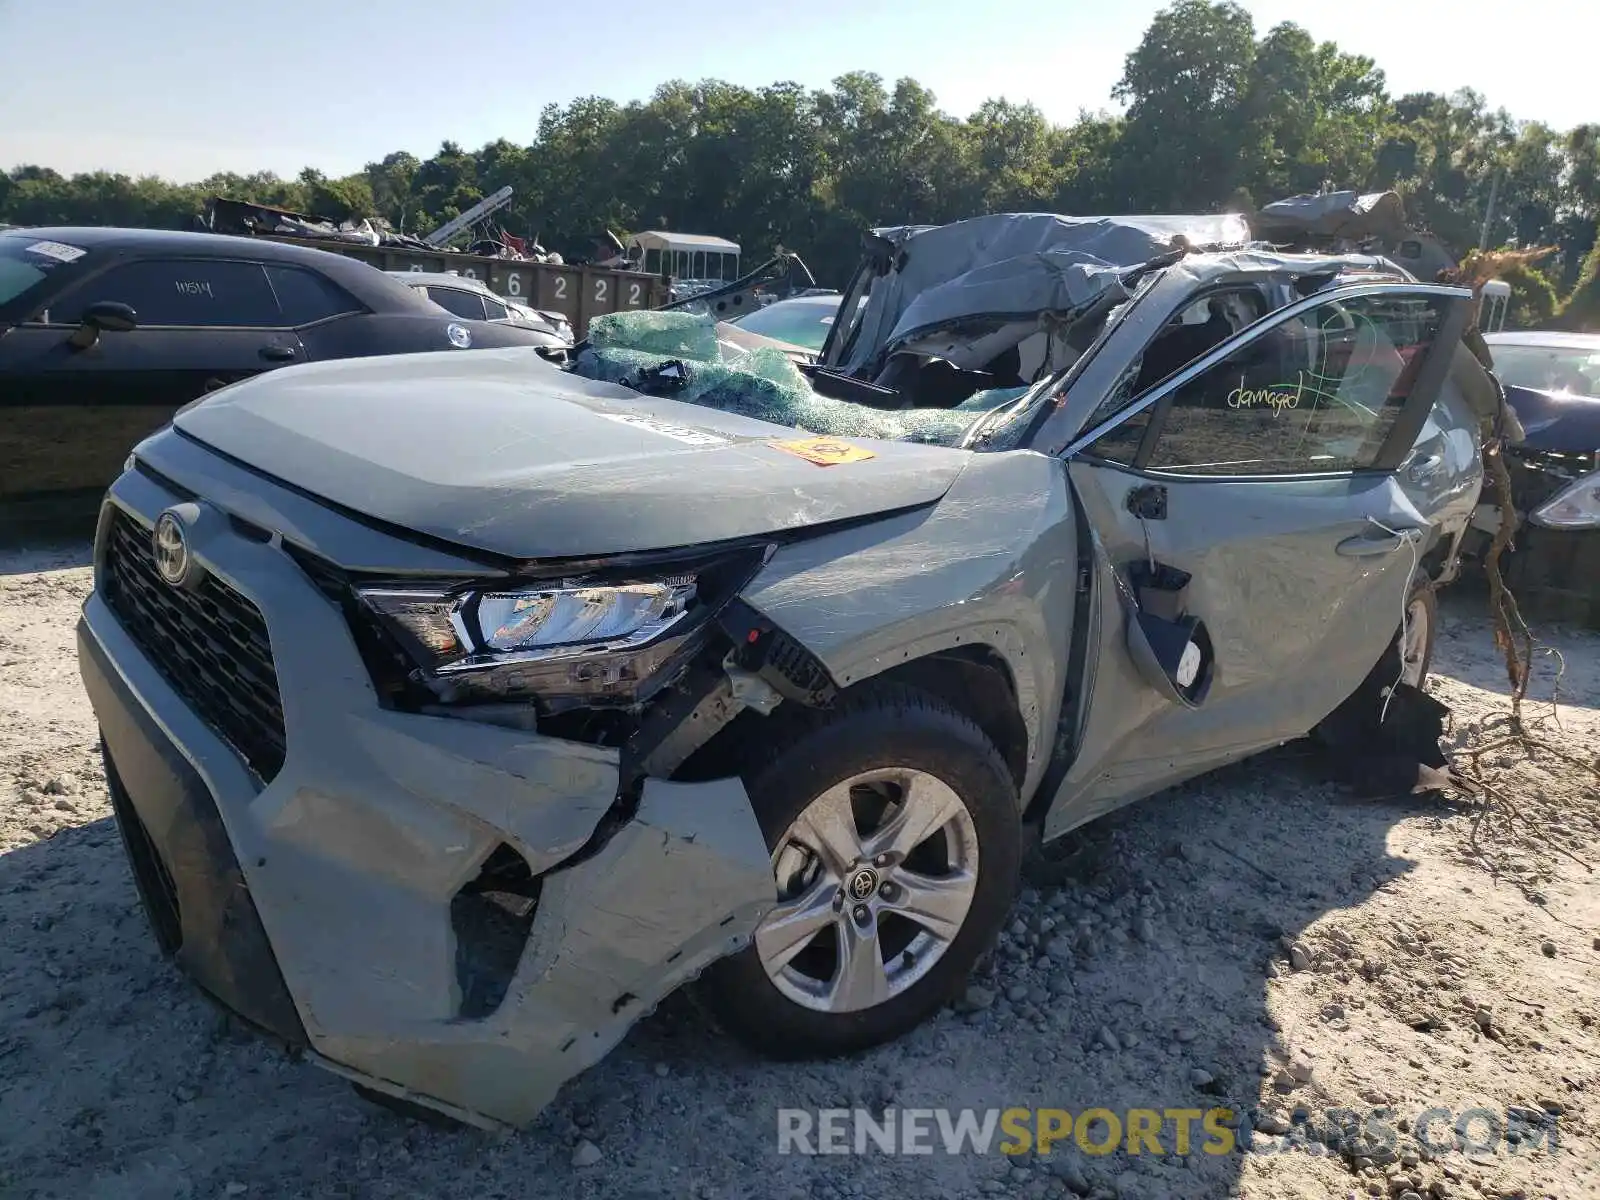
<point>458,708</point>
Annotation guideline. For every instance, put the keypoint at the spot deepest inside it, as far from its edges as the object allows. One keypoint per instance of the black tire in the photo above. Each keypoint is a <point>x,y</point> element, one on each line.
<point>1424,594</point>
<point>1355,721</point>
<point>809,752</point>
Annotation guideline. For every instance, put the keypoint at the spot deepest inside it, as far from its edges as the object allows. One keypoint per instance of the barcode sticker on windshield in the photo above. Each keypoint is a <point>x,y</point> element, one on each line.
<point>59,251</point>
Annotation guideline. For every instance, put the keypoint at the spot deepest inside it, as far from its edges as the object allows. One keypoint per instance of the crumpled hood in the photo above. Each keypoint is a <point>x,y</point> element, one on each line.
<point>502,452</point>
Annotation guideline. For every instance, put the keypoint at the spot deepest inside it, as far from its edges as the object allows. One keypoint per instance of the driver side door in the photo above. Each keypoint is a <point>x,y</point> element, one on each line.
<point>1253,545</point>
<point>73,412</point>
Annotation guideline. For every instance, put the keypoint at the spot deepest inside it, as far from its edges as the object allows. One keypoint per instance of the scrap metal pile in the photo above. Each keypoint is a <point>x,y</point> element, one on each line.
<point>248,219</point>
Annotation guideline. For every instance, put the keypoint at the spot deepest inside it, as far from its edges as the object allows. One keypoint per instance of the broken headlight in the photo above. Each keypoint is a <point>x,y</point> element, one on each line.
<point>1574,507</point>
<point>602,639</point>
<point>470,630</point>
<point>545,621</point>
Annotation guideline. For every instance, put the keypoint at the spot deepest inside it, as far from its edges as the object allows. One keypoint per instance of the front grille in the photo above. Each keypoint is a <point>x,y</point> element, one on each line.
<point>210,644</point>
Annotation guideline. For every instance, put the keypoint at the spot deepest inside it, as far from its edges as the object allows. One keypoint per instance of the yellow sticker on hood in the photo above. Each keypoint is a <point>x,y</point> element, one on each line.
<point>825,452</point>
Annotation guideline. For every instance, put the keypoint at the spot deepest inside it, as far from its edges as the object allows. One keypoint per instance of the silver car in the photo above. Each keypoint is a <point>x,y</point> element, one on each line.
<point>468,297</point>
<point>458,708</point>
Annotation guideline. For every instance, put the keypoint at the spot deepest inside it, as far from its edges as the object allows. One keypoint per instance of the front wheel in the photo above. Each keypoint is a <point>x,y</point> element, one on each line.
<point>895,837</point>
<point>1418,633</point>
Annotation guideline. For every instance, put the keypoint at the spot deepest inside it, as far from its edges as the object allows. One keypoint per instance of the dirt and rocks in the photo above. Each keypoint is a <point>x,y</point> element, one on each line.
<point>1393,1008</point>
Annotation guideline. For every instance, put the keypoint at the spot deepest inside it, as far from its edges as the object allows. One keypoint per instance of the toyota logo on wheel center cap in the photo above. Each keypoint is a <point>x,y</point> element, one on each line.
<point>171,547</point>
<point>863,883</point>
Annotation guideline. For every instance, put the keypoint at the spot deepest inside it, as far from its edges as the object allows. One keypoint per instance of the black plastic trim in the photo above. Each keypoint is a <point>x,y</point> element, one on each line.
<point>183,859</point>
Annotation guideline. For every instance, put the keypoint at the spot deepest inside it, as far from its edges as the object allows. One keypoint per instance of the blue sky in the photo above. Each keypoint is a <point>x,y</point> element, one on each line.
<point>187,87</point>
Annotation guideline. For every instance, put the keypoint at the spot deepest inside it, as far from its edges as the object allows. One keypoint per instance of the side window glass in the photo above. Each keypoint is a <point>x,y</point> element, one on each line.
<point>305,297</point>
<point>1117,398</point>
<point>1318,392</point>
<point>183,292</point>
<point>462,304</point>
<point>1193,333</point>
<point>1120,444</point>
<point>496,310</point>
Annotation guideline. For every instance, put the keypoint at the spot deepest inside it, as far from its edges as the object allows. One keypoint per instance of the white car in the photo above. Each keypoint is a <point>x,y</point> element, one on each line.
<point>468,297</point>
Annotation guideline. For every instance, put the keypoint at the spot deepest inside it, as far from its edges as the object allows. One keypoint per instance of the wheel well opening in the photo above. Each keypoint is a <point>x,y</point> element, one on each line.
<point>975,681</point>
<point>1434,563</point>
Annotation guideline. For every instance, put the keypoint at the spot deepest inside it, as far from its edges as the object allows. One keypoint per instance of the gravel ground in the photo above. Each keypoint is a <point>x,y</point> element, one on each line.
<point>1257,938</point>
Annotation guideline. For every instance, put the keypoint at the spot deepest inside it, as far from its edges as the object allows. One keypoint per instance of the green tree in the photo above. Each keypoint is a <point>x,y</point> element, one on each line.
<point>1315,116</point>
<point>1444,153</point>
<point>1534,300</point>
<point>392,180</point>
<point>1018,156</point>
<point>1217,119</point>
<point>446,186</point>
<point>348,199</point>
<point>1186,86</point>
<point>1581,311</point>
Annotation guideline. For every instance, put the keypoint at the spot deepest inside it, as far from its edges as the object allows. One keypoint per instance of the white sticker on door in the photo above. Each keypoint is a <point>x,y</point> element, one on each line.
<point>59,251</point>
<point>678,433</point>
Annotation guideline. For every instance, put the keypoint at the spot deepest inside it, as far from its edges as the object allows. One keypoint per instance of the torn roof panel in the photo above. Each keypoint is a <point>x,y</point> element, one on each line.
<point>1052,281</point>
<point>1347,214</point>
<point>1009,263</point>
<point>1206,269</point>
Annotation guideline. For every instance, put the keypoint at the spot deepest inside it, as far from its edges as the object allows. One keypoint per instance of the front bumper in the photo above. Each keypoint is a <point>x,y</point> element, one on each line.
<point>318,904</point>
<point>1553,573</point>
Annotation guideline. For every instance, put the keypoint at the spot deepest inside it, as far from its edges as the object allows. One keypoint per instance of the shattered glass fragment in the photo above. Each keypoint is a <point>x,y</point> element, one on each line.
<point>678,355</point>
<point>675,334</point>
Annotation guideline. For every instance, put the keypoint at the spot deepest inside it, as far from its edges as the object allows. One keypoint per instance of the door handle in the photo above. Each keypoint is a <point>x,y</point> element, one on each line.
<point>1366,545</point>
<point>1427,465</point>
<point>277,353</point>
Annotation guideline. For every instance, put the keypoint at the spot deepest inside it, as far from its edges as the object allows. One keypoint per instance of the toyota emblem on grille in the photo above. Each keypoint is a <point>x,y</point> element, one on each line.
<point>171,549</point>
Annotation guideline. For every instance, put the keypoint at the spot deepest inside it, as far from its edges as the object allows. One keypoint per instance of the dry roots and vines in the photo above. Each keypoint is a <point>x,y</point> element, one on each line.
<point>1494,810</point>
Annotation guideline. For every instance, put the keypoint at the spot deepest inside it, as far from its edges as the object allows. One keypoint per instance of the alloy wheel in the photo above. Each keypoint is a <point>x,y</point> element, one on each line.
<point>875,878</point>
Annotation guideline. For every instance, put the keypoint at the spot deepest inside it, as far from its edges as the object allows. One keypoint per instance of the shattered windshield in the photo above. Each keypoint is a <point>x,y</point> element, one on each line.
<point>1008,427</point>
<point>678,355</point>
<point>984,386</point>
